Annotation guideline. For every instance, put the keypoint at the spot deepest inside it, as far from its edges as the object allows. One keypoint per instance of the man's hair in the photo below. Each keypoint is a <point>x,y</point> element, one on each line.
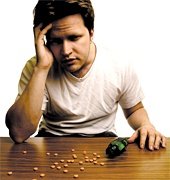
<point>47,11</point>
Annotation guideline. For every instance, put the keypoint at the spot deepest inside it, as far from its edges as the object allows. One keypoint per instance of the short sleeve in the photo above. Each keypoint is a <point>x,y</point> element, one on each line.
<point>132,92</point>
<point>25,78</point>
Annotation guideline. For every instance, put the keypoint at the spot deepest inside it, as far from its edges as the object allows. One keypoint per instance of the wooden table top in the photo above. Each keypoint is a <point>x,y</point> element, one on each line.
<point>53,157</point>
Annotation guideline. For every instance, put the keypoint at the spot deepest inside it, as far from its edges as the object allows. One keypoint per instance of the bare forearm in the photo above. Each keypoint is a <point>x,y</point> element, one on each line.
<point>23,117</point>
<point>138,119</point>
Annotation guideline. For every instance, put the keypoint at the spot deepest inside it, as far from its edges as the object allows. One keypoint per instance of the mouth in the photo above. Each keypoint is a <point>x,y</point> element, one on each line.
<point>68,61</point>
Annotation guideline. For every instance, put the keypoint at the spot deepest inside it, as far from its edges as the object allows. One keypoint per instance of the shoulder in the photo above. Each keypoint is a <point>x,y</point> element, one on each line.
<point>28,70</point>
<point>29,66</point>
<point>26,75</point>
<point>31,62</point>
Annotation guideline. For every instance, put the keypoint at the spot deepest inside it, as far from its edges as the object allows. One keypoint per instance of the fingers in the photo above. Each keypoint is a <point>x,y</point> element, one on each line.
<point>160,141</point>
<point>37,30</point>
<point>40,33</point>
<point>149,134</point>
<point>163,142</point>
<point>143,136</point>
<point>46,29</point>
<point>44,55</point>
<point>157,142</point>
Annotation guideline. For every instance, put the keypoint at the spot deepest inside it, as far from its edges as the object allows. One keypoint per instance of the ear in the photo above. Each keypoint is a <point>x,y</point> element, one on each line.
<point>91,34</point>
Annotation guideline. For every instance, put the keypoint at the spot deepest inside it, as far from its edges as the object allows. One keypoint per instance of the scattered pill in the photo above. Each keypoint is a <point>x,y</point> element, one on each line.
<point>74,156</point>
<point>98,156</point>
<point>10,173</point>
<point>65,165</point>
<point>94,154</point>
<point>82,169</point>
<point>91,160</point>
<point>80,162</point>
<point>102,163</point>
<point>87,160</point>
<point>35,168</point>
<point>95,162</point>
<point>76,176</point>
<point>65,171</point>
<point>42,175</point>
<point>58,167</point>
<point>52,166</point>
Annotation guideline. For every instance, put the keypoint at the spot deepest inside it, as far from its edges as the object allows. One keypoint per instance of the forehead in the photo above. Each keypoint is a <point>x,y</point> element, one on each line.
<point>69,23</point>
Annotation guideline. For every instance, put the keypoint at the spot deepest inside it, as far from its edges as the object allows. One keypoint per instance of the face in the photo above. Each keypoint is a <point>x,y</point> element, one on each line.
<point>70,42</point>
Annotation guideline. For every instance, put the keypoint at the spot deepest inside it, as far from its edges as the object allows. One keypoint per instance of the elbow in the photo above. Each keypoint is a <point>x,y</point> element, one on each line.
<point>17,139</point>
<point>19,130</point>
<point>18,136</point>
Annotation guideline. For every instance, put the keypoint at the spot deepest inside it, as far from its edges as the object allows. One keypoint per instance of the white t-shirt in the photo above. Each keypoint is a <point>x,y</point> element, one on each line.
<point>86,105</point>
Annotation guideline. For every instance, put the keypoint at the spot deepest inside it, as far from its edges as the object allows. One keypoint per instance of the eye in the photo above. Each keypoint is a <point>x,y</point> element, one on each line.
<point>74,38</point>
<point>55,41</point>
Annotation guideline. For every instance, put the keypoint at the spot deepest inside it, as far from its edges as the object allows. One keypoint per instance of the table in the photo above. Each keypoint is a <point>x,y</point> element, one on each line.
<point>44,156</point>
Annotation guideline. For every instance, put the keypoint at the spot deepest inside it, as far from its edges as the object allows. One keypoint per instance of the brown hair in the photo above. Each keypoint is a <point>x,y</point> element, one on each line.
<point>47,11</point>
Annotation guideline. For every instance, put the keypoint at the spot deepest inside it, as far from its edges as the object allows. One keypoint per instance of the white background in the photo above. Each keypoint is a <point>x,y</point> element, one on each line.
<point>138,30</point>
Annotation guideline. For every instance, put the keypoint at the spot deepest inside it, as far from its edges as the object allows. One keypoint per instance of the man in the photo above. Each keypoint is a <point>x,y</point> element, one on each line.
<point>74,85</point>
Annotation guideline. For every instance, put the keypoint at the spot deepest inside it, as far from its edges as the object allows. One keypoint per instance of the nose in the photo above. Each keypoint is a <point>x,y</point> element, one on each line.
<point>66,48</point>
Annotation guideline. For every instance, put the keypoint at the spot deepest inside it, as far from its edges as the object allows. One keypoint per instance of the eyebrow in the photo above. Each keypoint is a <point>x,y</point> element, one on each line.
<point>74,34</point>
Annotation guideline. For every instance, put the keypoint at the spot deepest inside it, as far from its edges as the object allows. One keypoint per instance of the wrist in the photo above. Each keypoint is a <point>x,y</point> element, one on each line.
<point>40,69</point>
